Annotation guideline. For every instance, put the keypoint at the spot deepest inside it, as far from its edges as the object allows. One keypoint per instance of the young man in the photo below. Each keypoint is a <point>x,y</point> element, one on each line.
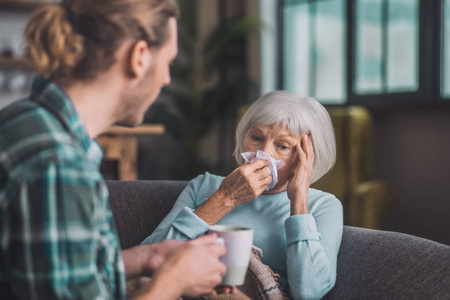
<point>100,64</point>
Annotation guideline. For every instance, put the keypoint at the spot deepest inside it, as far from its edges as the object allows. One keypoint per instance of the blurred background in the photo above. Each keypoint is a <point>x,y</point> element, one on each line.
<point>381,67</point>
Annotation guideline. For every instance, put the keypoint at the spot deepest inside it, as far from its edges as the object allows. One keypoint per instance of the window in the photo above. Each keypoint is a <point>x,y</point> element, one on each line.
<point>366,51</point>
<point>315,49</point>
<point>386,46</point>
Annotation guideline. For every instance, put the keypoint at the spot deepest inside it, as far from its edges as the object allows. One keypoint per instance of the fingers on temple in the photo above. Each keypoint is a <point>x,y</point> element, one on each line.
<point>307,147</point>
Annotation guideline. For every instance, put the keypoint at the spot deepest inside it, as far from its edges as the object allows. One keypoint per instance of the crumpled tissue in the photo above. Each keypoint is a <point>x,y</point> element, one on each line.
<point>274,165</point>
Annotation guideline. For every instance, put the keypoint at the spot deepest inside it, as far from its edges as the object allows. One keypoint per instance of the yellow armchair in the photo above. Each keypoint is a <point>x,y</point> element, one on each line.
<point>366,202</point>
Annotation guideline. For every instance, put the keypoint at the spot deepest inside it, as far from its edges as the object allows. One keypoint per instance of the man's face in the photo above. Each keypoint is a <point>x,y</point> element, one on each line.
<point>148,89</point>
<point>163,59</point>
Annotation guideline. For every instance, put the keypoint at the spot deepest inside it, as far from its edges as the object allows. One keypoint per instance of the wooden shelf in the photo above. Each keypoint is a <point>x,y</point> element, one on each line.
<point>139,130</point>
<point>21,5</point>
<point>121,144</point>
<point>15,63</point>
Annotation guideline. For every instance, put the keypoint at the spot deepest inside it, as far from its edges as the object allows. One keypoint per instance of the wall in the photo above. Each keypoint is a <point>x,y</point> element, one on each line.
<point>14,82</point>
<point>412,152</point>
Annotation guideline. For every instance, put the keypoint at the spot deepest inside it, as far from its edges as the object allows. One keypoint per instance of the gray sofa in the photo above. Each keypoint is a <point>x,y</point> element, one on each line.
<point>371,264</point>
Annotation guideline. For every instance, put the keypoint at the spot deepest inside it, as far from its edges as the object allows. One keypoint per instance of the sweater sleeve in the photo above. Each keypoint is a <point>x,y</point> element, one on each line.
<point>181,223</point>
<point>313,242</point>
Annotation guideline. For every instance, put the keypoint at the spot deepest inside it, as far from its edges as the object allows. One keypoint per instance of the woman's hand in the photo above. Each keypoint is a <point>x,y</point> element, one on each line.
<point>301,178</point>
<point>244,184</point>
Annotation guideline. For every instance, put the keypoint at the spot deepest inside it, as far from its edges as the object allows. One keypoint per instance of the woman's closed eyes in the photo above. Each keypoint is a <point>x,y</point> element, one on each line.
<point>255,138</point>
<point>281,146</point>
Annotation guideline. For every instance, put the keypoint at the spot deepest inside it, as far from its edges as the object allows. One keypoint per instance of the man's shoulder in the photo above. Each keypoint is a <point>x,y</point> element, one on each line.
<point>24,117</point>
<point>30,134</point>
<point>26,123</point>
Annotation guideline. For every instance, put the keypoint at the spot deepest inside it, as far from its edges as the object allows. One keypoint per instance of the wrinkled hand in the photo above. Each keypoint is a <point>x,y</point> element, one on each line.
<point>243,184</point>
<point>246,182</point>
<point>195,266</point>
<point>300,180</point>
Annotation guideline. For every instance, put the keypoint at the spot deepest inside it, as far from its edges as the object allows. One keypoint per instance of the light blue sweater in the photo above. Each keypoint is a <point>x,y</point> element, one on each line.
<point>303,249</point>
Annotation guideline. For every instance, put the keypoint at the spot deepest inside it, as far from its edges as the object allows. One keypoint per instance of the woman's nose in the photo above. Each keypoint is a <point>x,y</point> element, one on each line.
<point>268,149</point>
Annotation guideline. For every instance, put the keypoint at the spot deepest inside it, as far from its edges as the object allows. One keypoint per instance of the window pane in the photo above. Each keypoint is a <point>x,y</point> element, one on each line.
<point>296,50</point>
<point>368,47</point>
<point>445,49</point>
<point>314,50</point>
<point>387,46</point>
<point>331,51</point>
<point>402,47</point>
<point>269,64</point>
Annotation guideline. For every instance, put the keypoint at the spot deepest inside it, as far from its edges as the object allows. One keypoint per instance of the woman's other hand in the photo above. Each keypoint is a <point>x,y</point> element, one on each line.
<point>301,178</point>
<point>243,184</point>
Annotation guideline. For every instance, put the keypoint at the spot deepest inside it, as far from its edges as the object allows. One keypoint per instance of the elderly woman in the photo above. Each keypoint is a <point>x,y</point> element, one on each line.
<point>299,229</point>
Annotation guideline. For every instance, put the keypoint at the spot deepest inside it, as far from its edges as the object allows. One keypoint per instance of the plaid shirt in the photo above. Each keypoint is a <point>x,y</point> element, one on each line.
<point>57,234</point>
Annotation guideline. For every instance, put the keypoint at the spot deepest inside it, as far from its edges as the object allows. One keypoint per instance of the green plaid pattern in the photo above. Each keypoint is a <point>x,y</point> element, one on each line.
<point>57,233</point>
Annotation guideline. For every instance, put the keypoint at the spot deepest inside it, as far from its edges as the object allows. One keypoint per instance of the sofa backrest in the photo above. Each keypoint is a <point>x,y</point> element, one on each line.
<point>372,264</point>
<point>139,206</point>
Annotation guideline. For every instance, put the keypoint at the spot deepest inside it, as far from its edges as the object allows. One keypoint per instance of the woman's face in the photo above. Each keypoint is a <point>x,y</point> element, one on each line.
<point>278,142</point>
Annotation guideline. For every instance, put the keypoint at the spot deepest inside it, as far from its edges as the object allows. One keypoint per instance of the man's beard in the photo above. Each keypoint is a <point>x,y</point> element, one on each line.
<point>132,111</point>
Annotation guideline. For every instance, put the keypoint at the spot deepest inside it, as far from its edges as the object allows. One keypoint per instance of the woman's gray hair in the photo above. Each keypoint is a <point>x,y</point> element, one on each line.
<point>300,116</point>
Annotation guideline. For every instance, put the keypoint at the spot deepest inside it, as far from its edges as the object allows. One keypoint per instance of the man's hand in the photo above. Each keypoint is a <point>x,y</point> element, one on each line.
<point>144,260</point>
<point>158,254</point>
<point>193,269</point>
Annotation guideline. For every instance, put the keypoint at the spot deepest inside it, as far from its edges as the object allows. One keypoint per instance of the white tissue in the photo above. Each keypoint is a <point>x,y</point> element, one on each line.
<point>274,165</point>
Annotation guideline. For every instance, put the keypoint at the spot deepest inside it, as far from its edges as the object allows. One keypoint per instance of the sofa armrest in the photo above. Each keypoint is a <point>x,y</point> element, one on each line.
<point>374,264</point>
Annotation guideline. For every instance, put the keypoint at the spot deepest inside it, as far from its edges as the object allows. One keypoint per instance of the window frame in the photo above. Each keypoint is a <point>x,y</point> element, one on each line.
<point>429,53</point>
<point>438,54</point>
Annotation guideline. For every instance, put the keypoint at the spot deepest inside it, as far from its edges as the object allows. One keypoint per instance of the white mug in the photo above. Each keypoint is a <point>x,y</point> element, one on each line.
<point>238,241</point>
